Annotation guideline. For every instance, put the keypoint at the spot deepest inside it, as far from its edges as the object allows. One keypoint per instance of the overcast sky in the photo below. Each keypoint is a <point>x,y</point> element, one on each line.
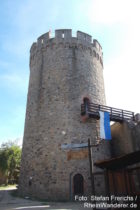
<point>114,23</point>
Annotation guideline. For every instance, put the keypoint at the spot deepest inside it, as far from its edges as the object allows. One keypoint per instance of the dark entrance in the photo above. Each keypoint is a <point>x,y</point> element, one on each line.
<point>78,182</point>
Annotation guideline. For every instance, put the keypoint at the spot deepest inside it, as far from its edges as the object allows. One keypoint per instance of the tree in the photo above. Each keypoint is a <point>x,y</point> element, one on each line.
<point>10,157</point>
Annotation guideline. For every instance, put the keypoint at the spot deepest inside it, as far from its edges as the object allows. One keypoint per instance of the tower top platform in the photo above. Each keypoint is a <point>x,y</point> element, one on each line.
<point>65,38</point>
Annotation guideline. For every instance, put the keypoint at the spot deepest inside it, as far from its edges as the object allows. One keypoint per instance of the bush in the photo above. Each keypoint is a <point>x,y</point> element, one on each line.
<point>10,157</point>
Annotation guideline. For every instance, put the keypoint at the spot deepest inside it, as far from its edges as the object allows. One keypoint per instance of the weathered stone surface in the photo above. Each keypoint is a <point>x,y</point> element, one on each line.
<point>63,70</point>
<point>125,138</point>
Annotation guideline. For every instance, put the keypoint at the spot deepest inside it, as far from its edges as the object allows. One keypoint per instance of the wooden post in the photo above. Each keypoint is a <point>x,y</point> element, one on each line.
<point>90,164</point>
<point>106,172</point>
<point>91,170</point>
<point>125,181</point>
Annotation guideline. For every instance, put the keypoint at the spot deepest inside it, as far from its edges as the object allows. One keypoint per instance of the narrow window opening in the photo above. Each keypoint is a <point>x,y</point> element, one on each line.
<point>86,104</point>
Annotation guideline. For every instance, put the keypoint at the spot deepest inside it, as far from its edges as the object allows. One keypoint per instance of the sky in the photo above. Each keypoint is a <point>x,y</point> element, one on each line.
<point>114,23</point>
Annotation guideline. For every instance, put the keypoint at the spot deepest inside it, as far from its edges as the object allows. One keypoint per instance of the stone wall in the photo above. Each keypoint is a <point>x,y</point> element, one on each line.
<point>125,138</point>
<point>63,70</point>
<point>121,139</point>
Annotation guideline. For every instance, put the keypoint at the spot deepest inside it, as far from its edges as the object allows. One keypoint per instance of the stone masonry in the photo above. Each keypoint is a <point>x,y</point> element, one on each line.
<point>63,70</point>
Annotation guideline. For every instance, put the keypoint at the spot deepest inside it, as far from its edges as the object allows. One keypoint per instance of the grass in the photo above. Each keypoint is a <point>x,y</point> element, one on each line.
<point>6,187</point>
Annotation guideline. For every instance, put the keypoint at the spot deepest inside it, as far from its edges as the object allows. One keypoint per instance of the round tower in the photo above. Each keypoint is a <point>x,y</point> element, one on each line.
<point>63,71</point>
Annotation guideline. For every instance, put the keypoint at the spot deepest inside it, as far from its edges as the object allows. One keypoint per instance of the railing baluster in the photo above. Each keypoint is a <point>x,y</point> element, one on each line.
<point>133,115</point>
<point>111,112</point>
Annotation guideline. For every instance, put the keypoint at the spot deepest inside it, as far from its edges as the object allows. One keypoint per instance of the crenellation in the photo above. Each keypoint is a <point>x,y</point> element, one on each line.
<point>84,37</point>
<point>97,45</point>
<point>45,37</point>
<point>33,47</point>
<point>63,33</point>
<point>63,38</point>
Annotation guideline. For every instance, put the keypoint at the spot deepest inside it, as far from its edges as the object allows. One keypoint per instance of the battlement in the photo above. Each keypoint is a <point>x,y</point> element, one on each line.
<point>63,33</point>
<point>63,37</point>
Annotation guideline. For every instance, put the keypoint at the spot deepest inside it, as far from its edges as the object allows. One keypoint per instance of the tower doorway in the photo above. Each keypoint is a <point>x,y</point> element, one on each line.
<point>78,182</point>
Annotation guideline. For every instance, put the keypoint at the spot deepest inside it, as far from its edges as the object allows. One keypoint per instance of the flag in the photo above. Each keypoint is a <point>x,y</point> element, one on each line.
<point>105,131</point>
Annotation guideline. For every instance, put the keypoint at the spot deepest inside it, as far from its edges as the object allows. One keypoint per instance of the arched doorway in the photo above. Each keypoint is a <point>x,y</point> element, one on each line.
<point>78,182</point>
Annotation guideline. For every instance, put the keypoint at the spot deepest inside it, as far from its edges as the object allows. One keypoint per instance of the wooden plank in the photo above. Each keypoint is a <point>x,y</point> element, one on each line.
<point>77,155</point>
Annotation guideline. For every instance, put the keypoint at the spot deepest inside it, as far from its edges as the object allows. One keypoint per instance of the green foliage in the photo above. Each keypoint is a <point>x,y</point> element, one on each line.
<point>10,157</point>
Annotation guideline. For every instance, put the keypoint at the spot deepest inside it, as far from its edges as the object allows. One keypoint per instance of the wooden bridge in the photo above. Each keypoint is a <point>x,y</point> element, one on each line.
<point>117,115</point>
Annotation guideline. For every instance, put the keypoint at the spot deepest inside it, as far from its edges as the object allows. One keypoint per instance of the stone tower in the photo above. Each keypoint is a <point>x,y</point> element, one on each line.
<point>63,70</point>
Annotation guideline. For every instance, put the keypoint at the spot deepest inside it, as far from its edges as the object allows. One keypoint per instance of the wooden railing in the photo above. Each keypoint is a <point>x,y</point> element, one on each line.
<point>117,115</point>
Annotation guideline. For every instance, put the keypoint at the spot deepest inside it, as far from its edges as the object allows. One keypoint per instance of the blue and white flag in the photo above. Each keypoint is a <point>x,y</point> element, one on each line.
<point>105,131</point>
